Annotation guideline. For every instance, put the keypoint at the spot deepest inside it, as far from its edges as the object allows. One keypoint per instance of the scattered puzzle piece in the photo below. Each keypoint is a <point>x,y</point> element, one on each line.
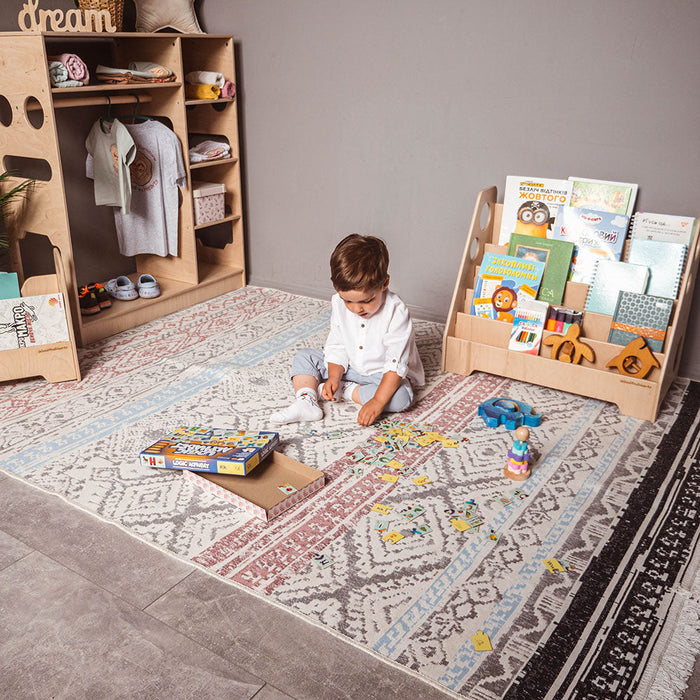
<point>412,511</point>
<point>287,488</point>
<point>553,565</point>
<point>393,537</point>
<point>393,478</point>
<point>381,508</point>
<point>481,642</point>
<point>460,524</point>
<point>322,560</point>
<point>422,480</point>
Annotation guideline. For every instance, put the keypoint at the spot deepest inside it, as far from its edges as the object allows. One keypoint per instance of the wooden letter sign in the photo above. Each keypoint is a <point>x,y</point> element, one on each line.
<point>32,19</point>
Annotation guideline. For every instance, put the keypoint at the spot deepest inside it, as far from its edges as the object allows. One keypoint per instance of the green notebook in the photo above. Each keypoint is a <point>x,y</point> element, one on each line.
<point>555,254</point>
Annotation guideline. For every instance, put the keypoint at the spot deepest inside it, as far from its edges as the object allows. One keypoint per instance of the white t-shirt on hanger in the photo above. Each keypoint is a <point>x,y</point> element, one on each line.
<point>113,150</point>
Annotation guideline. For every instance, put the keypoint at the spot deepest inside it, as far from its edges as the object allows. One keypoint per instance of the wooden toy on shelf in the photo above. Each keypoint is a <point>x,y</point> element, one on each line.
<point>518,465</point>
<point>568,347</point>
<point>636,359</point>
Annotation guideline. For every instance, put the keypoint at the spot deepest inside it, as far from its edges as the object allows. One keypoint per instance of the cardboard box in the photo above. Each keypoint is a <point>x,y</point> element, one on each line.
<point>217,450</point>
<point>208,200</point>
<point>259,493</point>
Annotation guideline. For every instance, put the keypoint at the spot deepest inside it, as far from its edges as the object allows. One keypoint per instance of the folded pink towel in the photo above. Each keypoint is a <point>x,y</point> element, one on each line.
<point>229,89</point>
<point>77,70</point>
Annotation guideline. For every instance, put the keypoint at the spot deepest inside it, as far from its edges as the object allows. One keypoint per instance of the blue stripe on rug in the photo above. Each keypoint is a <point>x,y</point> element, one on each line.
<point>467,657</point>
<point>189,384</point>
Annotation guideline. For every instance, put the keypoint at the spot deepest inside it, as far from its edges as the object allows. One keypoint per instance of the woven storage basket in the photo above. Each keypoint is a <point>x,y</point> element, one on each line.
<point>114,7</point>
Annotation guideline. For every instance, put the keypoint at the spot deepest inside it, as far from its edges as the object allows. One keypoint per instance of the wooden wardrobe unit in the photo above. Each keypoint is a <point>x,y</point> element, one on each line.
<point>29,134</point>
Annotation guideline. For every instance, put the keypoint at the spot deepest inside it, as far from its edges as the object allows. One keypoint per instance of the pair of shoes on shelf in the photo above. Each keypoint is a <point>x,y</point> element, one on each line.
<point>124,289</point>
<point>93,298</point>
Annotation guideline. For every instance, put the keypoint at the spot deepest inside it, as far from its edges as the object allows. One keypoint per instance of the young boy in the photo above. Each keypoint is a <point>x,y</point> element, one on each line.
<point>370,356</point>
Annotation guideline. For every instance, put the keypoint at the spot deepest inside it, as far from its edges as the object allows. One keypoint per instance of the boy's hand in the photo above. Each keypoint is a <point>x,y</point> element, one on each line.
<point>370,412</point>
<point>329,388</point>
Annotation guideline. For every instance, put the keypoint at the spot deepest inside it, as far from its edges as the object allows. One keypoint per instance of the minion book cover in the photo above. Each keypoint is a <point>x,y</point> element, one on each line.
<point>530,205</point>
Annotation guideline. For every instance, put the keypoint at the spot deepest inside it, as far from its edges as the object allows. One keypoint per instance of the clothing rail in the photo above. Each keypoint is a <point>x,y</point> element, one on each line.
<point>93,100</point>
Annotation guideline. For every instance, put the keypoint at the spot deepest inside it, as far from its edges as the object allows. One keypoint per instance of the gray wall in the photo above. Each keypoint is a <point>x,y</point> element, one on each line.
<point>387,116</point>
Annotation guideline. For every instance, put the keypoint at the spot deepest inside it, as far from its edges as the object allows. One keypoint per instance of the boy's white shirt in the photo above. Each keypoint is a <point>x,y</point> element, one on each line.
<point>384,342</point>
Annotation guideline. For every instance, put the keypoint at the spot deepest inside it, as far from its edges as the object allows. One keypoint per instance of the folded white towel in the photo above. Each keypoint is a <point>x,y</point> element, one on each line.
<point>209,150</point>
<point>205,77</point>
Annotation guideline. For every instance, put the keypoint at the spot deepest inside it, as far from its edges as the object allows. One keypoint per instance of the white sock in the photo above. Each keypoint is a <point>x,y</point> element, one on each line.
<point>338,392</point>
<point>305,408</point>
<point>348,390</point>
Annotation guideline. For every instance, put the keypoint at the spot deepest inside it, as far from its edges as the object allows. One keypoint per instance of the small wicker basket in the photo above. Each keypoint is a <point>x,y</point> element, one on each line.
<point>114,7</point>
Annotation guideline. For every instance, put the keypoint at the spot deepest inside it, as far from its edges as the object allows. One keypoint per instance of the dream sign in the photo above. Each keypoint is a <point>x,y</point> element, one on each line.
<point>32,19</point>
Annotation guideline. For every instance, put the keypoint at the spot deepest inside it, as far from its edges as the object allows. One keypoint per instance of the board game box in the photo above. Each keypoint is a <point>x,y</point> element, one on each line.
<point>214,450</point>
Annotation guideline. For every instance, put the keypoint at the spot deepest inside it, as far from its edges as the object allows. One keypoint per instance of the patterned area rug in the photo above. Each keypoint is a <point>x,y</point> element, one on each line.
<point>612,504</point>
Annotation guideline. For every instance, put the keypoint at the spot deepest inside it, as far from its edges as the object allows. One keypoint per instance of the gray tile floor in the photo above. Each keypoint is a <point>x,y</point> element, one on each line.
<point>87,611</point>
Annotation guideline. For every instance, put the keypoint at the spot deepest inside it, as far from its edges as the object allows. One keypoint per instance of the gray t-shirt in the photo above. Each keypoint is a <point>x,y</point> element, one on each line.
<point>156,173</point>
<point>113,150</point>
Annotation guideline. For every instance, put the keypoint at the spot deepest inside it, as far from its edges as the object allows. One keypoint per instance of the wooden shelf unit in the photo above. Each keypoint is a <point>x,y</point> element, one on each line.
<point>199,272</point>
<point>474,344</point>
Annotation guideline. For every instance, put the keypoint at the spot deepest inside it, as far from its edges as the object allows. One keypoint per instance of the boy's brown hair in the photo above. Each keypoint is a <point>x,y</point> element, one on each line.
<point>359,262</point>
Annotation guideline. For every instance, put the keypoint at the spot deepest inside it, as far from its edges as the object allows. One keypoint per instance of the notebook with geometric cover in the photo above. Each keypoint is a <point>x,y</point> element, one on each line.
<point>641,314</point>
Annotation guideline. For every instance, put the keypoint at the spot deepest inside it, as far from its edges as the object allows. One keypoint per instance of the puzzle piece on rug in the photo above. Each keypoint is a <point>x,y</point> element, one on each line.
<point>481,641</point>
<point>554,565</point>
<point>323,560</point>
<point>393,537</point>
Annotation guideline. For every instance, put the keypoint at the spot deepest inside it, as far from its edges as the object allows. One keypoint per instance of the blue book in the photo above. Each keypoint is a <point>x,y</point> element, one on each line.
<point>502,281</point>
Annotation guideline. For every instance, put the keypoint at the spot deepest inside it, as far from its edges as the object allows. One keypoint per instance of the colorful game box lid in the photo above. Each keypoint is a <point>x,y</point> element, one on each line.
<point>215,450</point>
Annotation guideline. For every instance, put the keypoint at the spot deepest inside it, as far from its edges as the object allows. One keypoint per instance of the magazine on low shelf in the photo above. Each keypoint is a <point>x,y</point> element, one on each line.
<point>33,320</point>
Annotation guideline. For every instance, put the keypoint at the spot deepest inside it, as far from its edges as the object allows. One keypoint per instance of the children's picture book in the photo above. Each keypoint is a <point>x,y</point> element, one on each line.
<point>557,257</point>
<point>611,277</point>
<point>528,325</point>
<point>641,314</point>
<point>218,450</point>
<point>595,234</point>
<point>604,195</point>
<point>663,227</point>
<point>33,320</point>
<point>665,261</point>
<point>504,280</point>
<point>530,205</point>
